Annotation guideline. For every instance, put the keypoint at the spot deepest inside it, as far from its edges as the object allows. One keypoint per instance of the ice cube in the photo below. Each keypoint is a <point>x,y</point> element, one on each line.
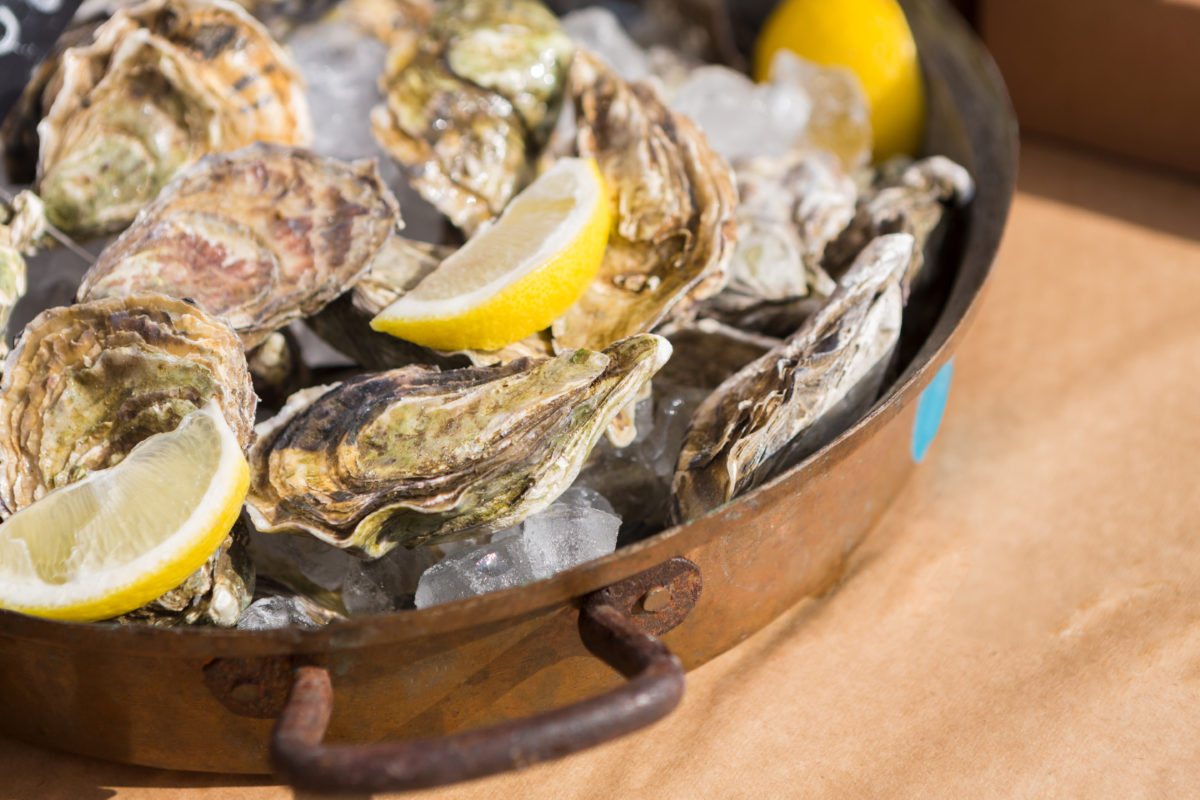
<point>295,559</point>
<point>387,583</point>
<point>564,535</point>
<point>493,566</point>
<point>275,612</point>
<point>599,30</point>
<point>741,118</point>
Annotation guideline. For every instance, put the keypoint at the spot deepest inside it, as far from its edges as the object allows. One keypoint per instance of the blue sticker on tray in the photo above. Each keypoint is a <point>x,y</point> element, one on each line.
<point>930,407</point>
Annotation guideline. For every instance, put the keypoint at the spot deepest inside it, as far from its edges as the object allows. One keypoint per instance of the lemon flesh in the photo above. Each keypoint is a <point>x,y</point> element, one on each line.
<point>121,537</point>
<point>518,275</point>
<point>872,38</point>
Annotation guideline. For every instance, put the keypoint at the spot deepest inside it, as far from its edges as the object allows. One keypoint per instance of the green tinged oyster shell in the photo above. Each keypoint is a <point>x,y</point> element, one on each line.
<point>159,85</point>
<point>85,383</point>
<point>260,236</point>
<point>416,456</point>
<point>467,113</point>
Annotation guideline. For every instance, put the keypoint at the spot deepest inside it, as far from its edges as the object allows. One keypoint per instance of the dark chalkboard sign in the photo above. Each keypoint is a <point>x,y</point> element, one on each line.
<point>28,29</point>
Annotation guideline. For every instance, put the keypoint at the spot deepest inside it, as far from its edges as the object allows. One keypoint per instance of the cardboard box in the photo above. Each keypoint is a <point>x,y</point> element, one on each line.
<point>1121,75</point>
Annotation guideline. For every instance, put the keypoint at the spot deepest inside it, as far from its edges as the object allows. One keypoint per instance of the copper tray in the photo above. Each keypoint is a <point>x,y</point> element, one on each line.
<point>207,699</point>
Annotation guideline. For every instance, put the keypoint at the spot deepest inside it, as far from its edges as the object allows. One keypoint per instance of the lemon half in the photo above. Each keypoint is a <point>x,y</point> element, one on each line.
<point>122,536</point>
<point>516,276</point>
<point>873,39</point>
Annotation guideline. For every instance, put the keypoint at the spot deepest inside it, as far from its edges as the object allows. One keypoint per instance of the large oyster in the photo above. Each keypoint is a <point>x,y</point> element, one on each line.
<point>160,85</point>
<point>674,198</point>
<point>86,383</point>
<point>786,403</point>
<point>260,236</point>
<point>416,456</point>
<point>467,112</point>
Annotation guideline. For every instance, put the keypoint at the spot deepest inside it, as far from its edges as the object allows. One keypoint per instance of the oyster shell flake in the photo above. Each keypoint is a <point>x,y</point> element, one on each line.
<point>160,85</point>
<point>260,236</point>
<point>784,404</point>
<point>674,198</point>
<point>416,456</point>
<point>468,111</point>
<point>85,383</point>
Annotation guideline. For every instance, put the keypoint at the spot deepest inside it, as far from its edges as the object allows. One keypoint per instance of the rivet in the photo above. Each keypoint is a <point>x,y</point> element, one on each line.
<point>656,599</point>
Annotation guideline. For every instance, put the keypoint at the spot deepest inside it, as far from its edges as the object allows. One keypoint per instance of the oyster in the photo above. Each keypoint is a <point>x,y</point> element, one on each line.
<point>904,196</point>
<point>12,283</point>
<point>397,23</point>
<point>260,236</point>
<point>416,456</point>
<point>215,594</point>
<point>789,210</point>
<point>467,112</point>
<point>159,85</point>
<point>675,199</point>
<point>788,402</point>
<point>86,383</point>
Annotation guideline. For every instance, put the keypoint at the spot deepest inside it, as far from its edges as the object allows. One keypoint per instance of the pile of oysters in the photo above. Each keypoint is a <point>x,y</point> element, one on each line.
<point>754,285</point>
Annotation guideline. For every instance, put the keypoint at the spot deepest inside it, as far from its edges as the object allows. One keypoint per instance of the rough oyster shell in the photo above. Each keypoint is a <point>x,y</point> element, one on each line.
<point>789,209</point>
<point>85,383</point>
<point>786,403</point>
<point>675,199</point>
<point>467,112</point>
<point>904,196</point>
<point>12,282</point>
<point>160,85</point>
<point>260,236</point>
<point>416,456</point>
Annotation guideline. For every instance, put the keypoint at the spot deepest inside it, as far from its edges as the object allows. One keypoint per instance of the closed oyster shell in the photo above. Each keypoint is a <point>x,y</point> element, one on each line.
<point>674,197</point>
<point>904,196</point>
<point>468,111</point>
<point>789,209</point>
<point>260,236</point>
<point>791,400</point>
<point>160,85</point>
<point>416,456</point>
<point>85,383</point>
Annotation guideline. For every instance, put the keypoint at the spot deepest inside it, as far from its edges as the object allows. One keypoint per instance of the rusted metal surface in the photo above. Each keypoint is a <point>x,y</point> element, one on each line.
<point>654,688</point>
<point>657,599</point>
<point>250,687</point>
<point>143,695</point>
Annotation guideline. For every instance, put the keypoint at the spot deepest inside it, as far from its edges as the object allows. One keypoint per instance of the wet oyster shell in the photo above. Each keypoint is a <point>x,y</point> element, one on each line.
<point>674,197</point>
<point>260,236</point>
<point>904,196</point>
<point>12,283</point>
<point>466,113</point>
<point>789,209</point>
<point>216,594</point>
<point>85,383</point>
<point>160,85</point>
<point>788,402</point>
<point>416,456</point>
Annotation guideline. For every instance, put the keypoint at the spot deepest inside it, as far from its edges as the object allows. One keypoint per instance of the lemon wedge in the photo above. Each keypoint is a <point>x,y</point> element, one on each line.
<point>122,536</point>
<point>873,39</point>
<point>516,276</point>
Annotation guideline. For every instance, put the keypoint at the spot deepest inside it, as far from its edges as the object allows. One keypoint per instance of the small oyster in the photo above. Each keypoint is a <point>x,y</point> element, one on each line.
<point>904,196</point>
<point>674,231</point>
<point>260,236</point>
<point>790,208</point>
<point>160,84</point>
<point>467,112</point>
<point>12,282</point>
<point>85,383</point>
<point>416,456</point>
<point>788,402</point>
<point>216,594</point>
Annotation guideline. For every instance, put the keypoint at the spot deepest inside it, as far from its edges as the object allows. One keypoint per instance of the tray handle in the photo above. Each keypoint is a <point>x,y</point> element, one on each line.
<point>614,624</point>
